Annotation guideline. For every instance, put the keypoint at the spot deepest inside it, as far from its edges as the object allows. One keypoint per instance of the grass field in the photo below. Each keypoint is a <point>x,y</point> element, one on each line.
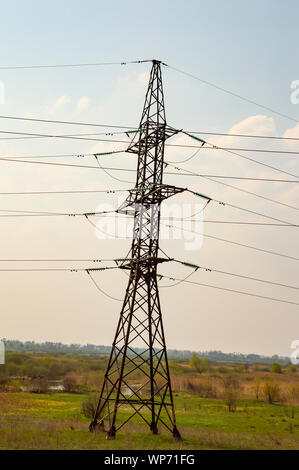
<point>218,405</point>
<point>55,421</point>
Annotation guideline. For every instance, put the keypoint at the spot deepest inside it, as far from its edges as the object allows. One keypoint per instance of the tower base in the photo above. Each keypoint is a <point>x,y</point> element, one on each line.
<point>176,434</point>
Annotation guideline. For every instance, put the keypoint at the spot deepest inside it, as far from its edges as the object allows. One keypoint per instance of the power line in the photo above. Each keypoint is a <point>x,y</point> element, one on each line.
<point>189,173</point>
<point>236,95</point>
<point>288,152</point>
<point>89,124</point>
<point>206,221</point>
<point>209,236</point>
<point>170,145</point>
<point>18,159</point>
<point>93,260</point>
<point>176,283</point>
<point>195,267</point>
<point>74,269</point>
<point>37,213</point>
<point>251,193</point>
<point>84,136</point>
<point>189,219</point>
<point>61,136</point>
<point>240,208</point>
<point>111,176</point>
<point>235,187</point>
<point>237,207</point>
<point>100,289</point>
<point>27,135</point>
<point>273,180</point>
<point>245,157</point>
<point>235,243</point>
<point>107,134</point>
<point>48,213</point>
<point>73,123</point>
<point>245,223</point>
<point>80,191</point>
<point>231,290</point>
<point>42,136</point>
<point>91,64</point>
<point>253,136</point>
<point>58,164</point>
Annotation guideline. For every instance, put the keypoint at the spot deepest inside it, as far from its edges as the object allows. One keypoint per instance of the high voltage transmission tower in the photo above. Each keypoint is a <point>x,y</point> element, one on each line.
<point>139,378</point>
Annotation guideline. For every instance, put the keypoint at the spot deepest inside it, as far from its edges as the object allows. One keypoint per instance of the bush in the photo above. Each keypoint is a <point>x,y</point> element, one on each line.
<point>198,364</point>
<point>291,370</point>
<point>271,391</point>
<point>39,385</point>
<point>231,397</point>
<point>256,387</point>
<point>70,382</point>
<point>293,394</point>
<point>14,386</point>
<point>82,388</point>
<point>276,368</point>
<point>221,370</point>
<point>3,383</point>
<point>89,405</point>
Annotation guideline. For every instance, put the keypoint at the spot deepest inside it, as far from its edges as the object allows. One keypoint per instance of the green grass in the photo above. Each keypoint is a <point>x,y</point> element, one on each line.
<point>54,421</point>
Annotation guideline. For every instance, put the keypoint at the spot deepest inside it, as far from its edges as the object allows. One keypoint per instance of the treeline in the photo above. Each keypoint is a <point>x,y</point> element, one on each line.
<point>91,349</point>
<point>21,364</point>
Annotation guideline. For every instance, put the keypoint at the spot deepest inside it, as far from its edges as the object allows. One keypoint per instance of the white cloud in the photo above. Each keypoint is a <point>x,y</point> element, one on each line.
<point>82,104</point>
<point>257,124</point>
<point>292,132</point>
<point>62,101</point>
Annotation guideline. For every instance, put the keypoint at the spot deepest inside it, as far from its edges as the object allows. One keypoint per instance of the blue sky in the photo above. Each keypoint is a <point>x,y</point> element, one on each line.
<point>249,48</point>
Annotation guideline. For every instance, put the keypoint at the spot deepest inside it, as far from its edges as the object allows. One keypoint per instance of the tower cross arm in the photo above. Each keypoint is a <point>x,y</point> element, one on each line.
<point>146,196</point>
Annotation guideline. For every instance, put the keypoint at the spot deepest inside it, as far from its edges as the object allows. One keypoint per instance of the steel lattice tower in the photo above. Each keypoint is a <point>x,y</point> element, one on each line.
<point>140,378</point>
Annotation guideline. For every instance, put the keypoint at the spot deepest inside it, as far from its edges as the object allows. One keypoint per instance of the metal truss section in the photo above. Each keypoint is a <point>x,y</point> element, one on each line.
<point>137,378</point>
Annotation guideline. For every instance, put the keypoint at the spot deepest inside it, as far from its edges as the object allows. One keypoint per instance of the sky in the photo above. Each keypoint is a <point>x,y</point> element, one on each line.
<point>249,48</point>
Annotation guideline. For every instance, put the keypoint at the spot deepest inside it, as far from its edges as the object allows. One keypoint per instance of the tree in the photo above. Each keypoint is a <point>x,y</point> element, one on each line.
<point>198,364</point>
<point>70,382</point>
<point>256,387</point>
<point>231,396</point>
<point>89,405</point>
<point>39,385</point>
<point>276,368</point>
<point>291,369</point>
<point>271,391</point>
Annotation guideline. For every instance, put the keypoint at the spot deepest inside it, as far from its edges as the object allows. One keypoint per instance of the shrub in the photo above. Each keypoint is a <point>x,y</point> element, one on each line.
<point>257,387</point>
<point>221,370</point>
<point>89,405</point>
<point>70,382</point>
<point>293,394</point>
<point>14,386</point>
<point>198,364</point>
<point>231,397</point>
<point>271,391</point>
<point>3,383</point>
<point>39,385</point>
<point>291,370</point>
<point>276,368</point>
